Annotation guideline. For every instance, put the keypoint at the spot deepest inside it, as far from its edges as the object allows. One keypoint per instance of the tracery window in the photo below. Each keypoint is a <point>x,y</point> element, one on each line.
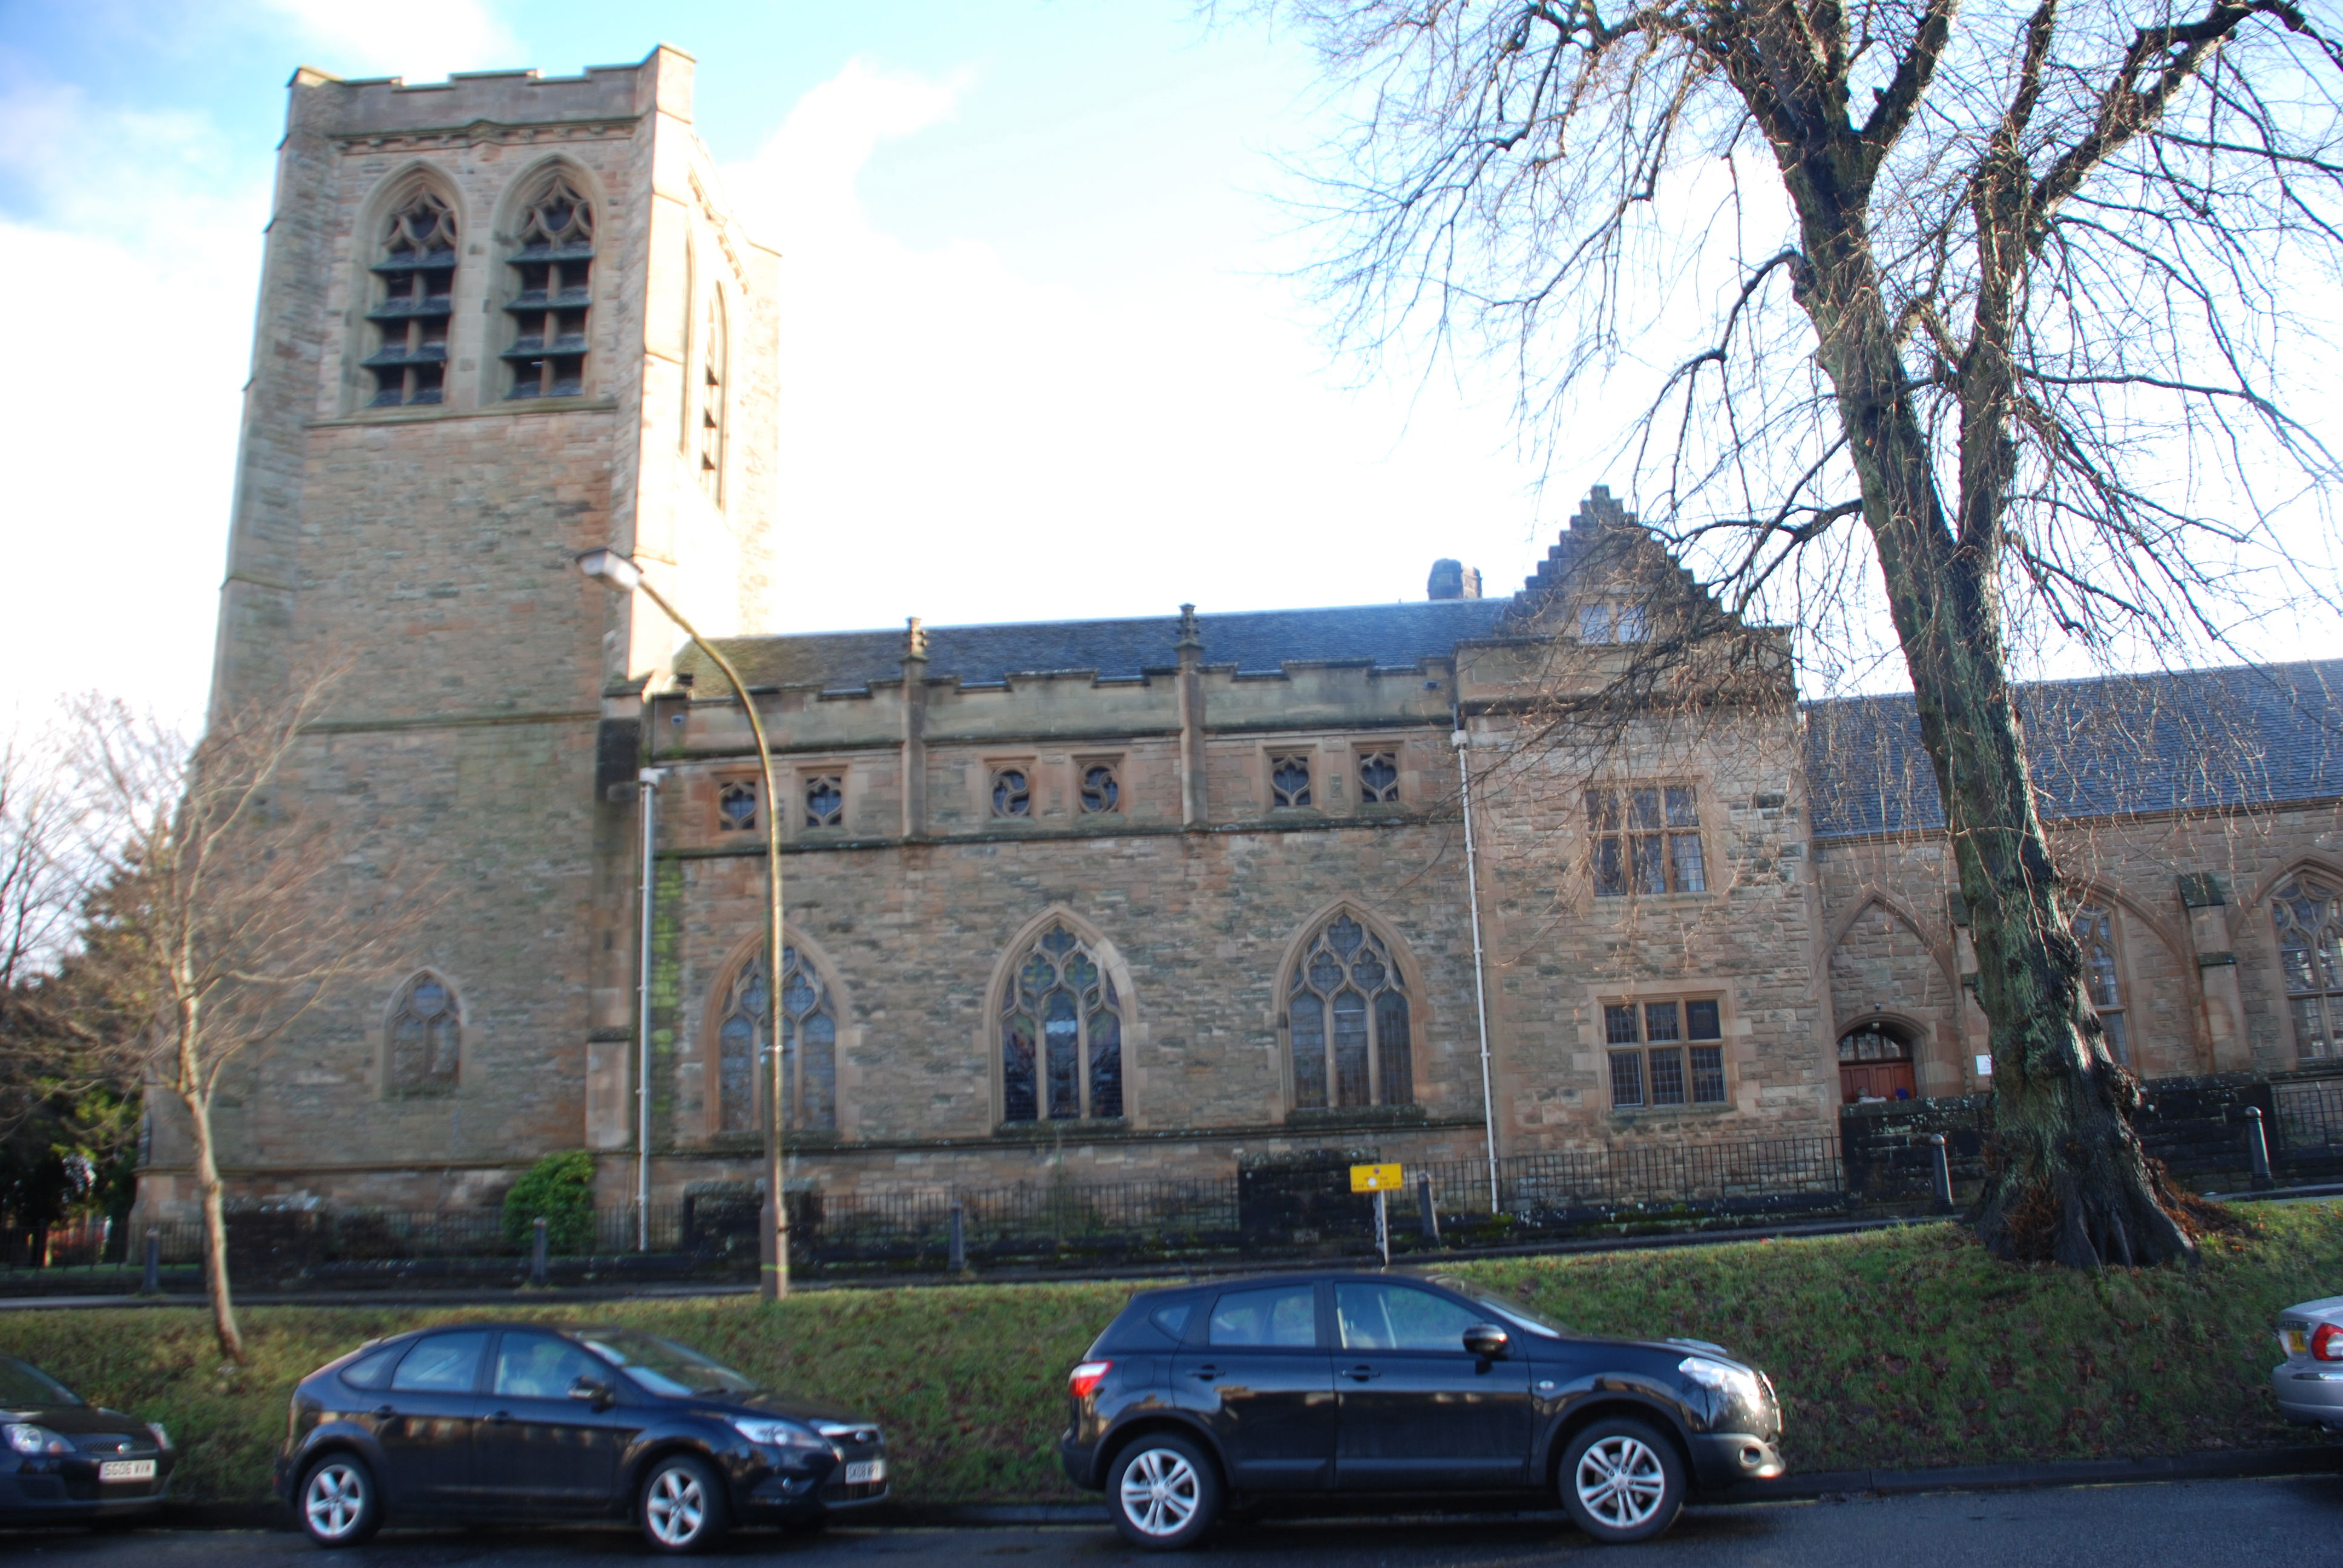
<point>736,807</point>
<point>2094,932</point>
<point>1665,1052</point>
<point>1289,780</point>
<point>1060,1034</point>
<point>417,268</point>
<point>1650,846</point>
<point>2308,913</point>
<point>825,800</point>
<point>1378,779</point>
<point>1012,793</point>
<point>555,262</point>
<point>809,1048</point>
<point>1348,1019</point>
<point>426,1037</point>
<point>1101,791</point>
<point>713,355</point>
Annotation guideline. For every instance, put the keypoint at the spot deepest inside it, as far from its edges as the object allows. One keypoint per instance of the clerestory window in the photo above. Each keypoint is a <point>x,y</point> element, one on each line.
<point>1060,1034</point>
<point>426,1045</point>
<point>409,323</point>
<point>1347,1019</point>
<point>2308,913</point>
<point>554,267</point>
<point>809,1048</point>
<point>1644,841</point>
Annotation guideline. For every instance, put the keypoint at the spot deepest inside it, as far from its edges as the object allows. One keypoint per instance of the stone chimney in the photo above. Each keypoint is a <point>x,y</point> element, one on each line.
<point>1454,579</point>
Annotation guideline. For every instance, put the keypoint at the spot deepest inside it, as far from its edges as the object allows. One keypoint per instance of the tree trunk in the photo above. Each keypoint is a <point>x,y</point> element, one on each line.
<point>2071,1181</point>
<point>207,1184</point>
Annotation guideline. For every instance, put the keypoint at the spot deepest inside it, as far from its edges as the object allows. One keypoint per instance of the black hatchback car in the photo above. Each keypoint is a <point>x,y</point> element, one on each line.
<point>1266,1388</point>
<point>522,1420</point>
<point>63,1460</point>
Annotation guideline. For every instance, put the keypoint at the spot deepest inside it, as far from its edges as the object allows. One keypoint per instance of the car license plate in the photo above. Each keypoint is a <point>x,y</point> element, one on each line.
<point>2295,1342</point>
<point>125,1470</point>
<point>863,1472</point>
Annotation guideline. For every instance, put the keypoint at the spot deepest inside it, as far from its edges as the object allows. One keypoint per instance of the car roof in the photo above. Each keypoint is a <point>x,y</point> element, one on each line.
<point>1291,1277</point>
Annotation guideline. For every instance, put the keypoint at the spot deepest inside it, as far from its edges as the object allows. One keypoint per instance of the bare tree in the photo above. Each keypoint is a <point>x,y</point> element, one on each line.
<point>1996,303</point>
<point>222,910</point>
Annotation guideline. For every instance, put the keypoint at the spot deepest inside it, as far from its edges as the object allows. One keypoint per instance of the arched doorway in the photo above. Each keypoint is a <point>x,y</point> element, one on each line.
<point>1874,1062</point>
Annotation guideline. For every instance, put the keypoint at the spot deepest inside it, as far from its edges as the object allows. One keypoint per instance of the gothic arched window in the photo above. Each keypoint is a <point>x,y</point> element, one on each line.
<point>1060,1034</point>
<point>417,265</point>
<point>809,1048</point>
<point>1347,1016</point>
<point>427,1047</point>
<point>2094,932</point>
<point>2308,913</point>
<point>712,366</point>
<point>554,262</point>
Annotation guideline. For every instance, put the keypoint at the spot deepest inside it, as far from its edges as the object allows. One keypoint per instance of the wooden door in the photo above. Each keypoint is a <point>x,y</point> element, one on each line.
<point>1875,1081</point>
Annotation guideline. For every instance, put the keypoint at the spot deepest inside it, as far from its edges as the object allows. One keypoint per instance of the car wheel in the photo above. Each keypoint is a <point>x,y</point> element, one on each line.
<point>1621,1481</point>
<point>681,1508</point>
<point>1165,1492</point>
<point>339,1502</point>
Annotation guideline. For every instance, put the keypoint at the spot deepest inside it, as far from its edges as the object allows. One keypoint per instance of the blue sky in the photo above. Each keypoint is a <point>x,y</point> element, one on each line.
<point>1043,356</point>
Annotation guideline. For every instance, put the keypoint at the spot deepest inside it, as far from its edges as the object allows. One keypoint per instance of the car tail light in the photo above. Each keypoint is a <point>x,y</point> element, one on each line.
<point>2327,1343</point>
<point>1083,1380</point>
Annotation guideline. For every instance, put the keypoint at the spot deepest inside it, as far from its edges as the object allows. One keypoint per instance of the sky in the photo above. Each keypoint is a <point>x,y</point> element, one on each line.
<point>1043,350</point>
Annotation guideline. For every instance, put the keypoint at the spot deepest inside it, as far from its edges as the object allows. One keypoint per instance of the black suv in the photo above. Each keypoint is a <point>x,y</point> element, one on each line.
<point>1389,1384</point>
<point>522,1419</point>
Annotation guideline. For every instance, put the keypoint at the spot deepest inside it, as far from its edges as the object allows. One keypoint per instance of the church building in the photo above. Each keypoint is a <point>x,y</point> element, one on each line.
<point>1082,900</point>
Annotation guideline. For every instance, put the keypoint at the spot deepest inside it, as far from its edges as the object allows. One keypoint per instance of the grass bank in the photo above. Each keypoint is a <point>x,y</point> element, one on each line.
<point>1891,1349</point>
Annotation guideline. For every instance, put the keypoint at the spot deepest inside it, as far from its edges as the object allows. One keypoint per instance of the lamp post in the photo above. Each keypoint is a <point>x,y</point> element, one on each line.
<point>620,574</point>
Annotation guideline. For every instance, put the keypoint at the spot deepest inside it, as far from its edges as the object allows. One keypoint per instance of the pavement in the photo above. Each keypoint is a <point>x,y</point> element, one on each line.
<point>2294,1520</point>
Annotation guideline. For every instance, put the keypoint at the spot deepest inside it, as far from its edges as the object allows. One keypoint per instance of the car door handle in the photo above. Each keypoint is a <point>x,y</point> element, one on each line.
<point>1361,1374</point>
<point>384,1412</point>
<point>500,1418</point>
<point>1206,1374</point>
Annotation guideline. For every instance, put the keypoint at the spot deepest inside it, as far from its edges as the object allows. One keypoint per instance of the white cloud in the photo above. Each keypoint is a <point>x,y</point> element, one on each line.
<point>422,40</point>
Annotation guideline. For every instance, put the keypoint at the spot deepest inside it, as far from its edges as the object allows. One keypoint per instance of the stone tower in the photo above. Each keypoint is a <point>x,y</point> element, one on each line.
<point>503,319</point>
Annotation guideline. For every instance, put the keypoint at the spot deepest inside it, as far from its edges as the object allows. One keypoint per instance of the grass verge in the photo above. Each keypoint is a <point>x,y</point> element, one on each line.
<point>1891,1349</point>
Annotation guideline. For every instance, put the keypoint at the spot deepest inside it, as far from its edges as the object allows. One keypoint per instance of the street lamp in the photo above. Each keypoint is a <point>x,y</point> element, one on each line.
<point>620,574</point>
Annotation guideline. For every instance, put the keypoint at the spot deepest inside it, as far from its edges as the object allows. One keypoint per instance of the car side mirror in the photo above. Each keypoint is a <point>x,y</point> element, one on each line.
<point>1487,1341</point>
<point>586,1388</point>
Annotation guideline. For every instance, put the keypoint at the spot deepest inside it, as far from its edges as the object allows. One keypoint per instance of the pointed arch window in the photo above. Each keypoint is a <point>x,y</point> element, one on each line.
<point>2308,913</point>
<point>1060,1034</point>
<point>416,268</point>
<point>1349,1020</point>
<point>713,355</point>
<point>2094,933</point>
<point>553,266</point>
<point>809,1048</point>
<point>426,1044</point>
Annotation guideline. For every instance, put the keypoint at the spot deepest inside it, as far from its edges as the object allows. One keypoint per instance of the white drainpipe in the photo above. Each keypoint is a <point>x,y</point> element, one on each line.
<point>1462,740</point>
<point>650,779</point>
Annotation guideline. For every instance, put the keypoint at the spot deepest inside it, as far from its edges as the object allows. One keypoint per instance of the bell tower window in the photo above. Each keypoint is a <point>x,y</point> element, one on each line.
<point>554,264</point>
<point>410,321</point>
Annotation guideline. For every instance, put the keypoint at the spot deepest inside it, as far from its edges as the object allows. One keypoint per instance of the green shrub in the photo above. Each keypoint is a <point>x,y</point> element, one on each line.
<point>559,1189</point>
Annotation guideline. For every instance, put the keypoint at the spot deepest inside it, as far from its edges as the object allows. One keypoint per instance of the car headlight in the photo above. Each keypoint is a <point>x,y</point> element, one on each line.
<point>778,1434</point>
<point>1738,1383</point>
<point>25,1438</point>
<point>162,1438</point>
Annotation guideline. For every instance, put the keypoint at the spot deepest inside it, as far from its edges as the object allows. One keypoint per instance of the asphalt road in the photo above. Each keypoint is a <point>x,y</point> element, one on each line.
<point>2294,1521</point>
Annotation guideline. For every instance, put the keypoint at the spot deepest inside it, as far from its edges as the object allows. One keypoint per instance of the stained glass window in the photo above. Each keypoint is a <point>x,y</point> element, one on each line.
<point>1378,779</point>
<point>1348,1022</point>
<point>2103,976</point>
<point>426,1037</point>
<point>809,1048</point>
<point>2308,913</point>
<point>417,268</point>
<point>1289,780</point>
<point>1060,1034</point>
<point>552,267</point>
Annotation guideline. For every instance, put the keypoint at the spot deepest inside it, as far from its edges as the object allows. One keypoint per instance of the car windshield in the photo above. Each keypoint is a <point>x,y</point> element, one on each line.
<point>664,1367</point>
<point>22,1384</point>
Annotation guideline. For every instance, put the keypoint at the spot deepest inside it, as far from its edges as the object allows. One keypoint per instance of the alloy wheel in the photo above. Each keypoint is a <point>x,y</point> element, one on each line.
<point>677,1509</point>
<point>1160,1491</point>
<point>334,1502</point>
<point>1621,1482</point>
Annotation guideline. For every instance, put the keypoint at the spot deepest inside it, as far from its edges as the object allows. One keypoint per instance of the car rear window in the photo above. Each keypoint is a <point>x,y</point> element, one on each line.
<point>1160,1326</point>
<point>443,1363</point>
<point>1276,1316</point>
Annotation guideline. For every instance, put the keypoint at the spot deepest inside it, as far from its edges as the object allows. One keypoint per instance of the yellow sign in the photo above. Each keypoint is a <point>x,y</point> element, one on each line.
<point>1375,1177</point>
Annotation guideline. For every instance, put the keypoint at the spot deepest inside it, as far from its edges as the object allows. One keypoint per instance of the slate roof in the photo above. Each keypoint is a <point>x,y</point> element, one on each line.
<point>1388,636</point>
<point>2245,735</point>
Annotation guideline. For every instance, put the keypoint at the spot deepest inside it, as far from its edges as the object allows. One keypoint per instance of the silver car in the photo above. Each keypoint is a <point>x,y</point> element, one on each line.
<point>2309,1386</point>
